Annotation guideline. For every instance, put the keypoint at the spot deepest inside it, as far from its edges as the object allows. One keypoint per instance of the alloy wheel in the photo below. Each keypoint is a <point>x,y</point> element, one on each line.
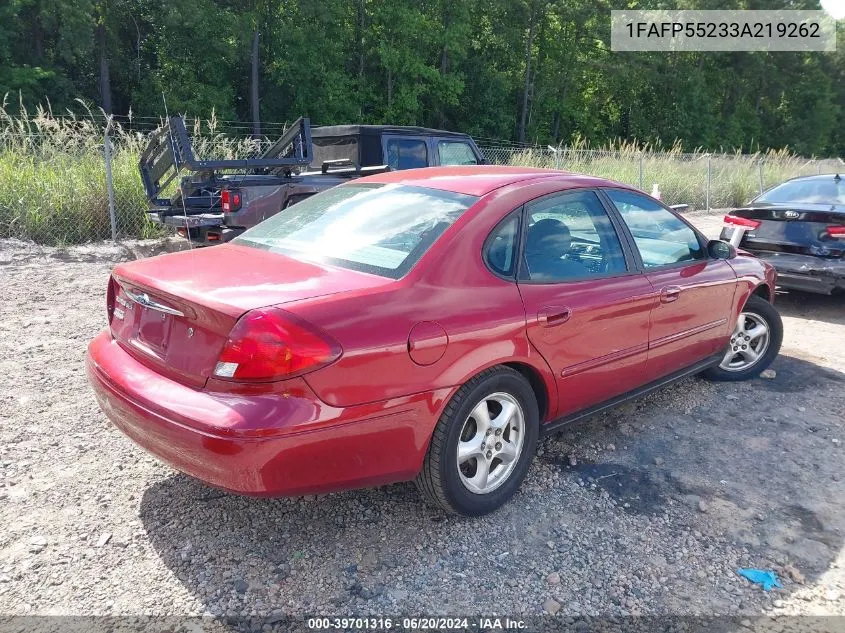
<point>749,342</point>
<point>490,443</point>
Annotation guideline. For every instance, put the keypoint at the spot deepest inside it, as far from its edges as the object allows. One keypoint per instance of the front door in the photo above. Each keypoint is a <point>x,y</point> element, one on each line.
<point>587,309</point>
<point>690,321</point>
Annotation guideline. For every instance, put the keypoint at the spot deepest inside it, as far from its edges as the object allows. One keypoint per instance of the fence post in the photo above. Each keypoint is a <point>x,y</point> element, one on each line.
<point>760,174</point>
<point>708,181</point>
<point>109,181</point>
<point>641,171</point>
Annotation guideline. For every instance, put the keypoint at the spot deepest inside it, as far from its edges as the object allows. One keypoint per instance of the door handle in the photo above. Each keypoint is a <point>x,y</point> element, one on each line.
<point>670,294</point>
<point>550,317</point>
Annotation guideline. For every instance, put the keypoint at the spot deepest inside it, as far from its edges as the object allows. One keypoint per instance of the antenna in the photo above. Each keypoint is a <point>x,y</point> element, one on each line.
<point>181,191</point>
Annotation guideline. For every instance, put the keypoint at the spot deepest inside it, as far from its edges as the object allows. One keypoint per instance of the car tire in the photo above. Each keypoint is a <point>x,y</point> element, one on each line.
<point>756,312</point>
<point>459,484</point>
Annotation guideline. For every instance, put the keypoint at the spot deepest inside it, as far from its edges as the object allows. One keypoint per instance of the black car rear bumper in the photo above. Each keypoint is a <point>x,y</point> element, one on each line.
<point>806,272</point>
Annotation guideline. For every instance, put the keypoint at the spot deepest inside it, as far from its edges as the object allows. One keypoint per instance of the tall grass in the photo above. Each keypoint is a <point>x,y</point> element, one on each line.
<point>53,177</point>
<point>682,177</point>
<point>53,184</point>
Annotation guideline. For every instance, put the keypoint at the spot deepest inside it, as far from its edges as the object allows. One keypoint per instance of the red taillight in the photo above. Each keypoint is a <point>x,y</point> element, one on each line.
<point>270,345</point>
<point>745,223</point>
<point>230,200</point>
<point>836,231</point>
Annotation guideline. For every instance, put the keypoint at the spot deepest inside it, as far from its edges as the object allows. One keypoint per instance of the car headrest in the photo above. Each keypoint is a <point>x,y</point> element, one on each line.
<point>549,236</point>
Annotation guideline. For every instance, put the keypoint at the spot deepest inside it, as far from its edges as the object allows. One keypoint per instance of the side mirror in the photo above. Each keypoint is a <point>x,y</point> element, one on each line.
<point>717,249</point>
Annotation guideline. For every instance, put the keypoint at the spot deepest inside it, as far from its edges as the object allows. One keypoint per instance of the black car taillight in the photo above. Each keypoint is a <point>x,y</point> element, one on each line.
<point>836,232</point>
<point>230,200</point>
<point>744,223</point>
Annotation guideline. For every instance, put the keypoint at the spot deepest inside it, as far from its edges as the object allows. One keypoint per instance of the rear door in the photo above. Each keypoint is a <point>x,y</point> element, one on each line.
<point>587,307</point>
<point>695,293</point>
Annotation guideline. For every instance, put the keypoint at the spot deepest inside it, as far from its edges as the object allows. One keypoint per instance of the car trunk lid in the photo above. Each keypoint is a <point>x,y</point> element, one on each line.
<point>794,229</point>
<point>174,313</point>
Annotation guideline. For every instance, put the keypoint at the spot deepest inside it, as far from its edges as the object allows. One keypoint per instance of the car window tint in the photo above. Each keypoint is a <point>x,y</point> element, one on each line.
<point>406,153</point>
<point>502,247</point>
<point>380,229</point>
<point>455,153</point>
<point>569,237</point>
<point>660,236</point>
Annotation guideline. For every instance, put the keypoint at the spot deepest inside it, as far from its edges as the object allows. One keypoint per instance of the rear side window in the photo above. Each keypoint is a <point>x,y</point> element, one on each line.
<point>406,153</point>
<point>661,237</point>
<point>501,249</point>
<point>374,228</point>
<point>455,153</point>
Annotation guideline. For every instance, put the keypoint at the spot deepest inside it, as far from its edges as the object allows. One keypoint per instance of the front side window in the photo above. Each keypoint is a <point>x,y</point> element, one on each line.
<point>570,237</point>
<point>660,236</point>
<point>455,153</point>
<point>379,229</point>
<point>406,153</point>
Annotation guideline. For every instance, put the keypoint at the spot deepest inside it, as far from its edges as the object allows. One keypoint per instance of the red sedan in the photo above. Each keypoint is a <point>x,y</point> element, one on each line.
<point>422,325</point>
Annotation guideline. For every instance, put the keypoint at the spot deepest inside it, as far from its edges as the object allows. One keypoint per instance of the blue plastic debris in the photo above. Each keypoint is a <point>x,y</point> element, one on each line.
<point>768,579</point>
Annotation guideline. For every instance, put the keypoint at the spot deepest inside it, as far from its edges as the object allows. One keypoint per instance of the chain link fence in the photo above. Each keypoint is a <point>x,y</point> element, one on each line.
<point>74,180</point>
<point>702,180</point>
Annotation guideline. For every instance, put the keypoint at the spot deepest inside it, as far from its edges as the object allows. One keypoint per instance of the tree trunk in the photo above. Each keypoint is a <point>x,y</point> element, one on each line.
<point>360,39</point>
<point>256,110</point>
<point>105,80</point>
<point>523,117</point>
<point>445,62</point>
<point>389,88</point>
<point>38,37</point>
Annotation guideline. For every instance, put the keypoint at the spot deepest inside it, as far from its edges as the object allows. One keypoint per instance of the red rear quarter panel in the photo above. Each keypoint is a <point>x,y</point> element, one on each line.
<point>482,315</point>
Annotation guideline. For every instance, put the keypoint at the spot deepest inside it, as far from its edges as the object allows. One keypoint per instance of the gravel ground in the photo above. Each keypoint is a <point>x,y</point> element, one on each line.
<point>648,509</point>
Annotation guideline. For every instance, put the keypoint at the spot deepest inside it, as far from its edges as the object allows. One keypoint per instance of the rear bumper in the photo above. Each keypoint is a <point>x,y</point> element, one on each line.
<point>203,228</point>
<point>806,272</point>
<point>279,444</point>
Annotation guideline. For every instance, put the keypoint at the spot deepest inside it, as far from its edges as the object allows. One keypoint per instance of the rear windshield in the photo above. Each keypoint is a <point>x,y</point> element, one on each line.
<point>335,148</point>
<point>826,191</point>
<point>374,228</point>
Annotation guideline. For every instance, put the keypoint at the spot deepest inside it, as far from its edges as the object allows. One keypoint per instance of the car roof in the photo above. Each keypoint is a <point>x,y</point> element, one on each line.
<point>810,178</point>
<point>325,131</point>
<point>479,180</point>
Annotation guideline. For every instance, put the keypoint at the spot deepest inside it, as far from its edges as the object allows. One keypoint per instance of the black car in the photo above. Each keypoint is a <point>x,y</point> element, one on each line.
<point>799,227</point>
